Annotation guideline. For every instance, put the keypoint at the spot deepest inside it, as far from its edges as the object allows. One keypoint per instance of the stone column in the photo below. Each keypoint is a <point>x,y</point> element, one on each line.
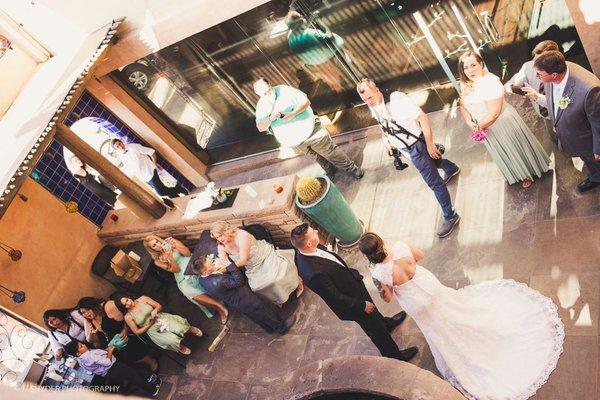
<point>94,159</point>
<point>586,16</point>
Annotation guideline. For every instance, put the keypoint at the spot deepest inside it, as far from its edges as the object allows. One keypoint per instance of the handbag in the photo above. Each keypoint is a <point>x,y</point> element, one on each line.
<point>118,342</point>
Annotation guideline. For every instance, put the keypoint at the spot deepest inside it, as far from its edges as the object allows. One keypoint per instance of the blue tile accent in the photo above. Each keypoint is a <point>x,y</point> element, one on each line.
<point>55,176</point>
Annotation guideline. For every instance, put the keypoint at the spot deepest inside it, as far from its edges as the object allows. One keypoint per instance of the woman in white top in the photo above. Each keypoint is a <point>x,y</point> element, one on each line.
<point>63,327</point>
<point>496,340</point>
<point>271,272</point>
<point>512,145</point>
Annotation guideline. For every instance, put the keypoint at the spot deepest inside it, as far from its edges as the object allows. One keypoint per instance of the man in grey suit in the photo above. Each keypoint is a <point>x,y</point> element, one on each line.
<point>573,102</point>
<point>526,76</point>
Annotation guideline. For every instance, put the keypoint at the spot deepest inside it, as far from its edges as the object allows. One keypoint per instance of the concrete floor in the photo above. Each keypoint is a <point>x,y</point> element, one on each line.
<point>547,236</point>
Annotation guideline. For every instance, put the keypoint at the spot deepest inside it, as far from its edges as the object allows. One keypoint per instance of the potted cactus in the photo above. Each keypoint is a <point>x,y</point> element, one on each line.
<point>323,203</point>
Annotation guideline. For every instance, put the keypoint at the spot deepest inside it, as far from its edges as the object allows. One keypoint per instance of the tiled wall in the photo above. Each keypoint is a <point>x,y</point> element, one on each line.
<point>51,171</point>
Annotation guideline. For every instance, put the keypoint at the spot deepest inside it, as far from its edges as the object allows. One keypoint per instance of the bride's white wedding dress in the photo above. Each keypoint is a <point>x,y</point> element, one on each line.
<point>494,340</point>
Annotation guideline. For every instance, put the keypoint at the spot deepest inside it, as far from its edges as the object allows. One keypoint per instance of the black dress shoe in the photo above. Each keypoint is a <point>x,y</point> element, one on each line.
<point>357,173</point>
<point>330,172</point>
<point>407,354</point>
<point>587,185</point>
<point>392,322</point>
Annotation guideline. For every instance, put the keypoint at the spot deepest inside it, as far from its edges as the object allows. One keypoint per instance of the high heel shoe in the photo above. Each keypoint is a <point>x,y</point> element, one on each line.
<point>195,331</point>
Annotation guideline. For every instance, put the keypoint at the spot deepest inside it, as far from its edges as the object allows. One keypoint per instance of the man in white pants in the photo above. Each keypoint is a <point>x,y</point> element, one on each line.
<point>287,113</point>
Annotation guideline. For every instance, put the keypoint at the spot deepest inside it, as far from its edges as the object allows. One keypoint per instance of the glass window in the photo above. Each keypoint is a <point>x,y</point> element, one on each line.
<point>204,84</point>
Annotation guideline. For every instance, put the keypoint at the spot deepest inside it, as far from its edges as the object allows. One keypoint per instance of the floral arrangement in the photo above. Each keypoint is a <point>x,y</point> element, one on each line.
<point>479,135</point>
<point>564,102</point>
<point>163,325</point>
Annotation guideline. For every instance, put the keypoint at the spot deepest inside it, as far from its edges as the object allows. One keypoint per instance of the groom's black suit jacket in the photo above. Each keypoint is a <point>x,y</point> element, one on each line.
<point>338,285</point>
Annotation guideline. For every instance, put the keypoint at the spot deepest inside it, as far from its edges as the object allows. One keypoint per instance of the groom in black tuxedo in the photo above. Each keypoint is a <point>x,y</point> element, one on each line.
<point>342,288</point>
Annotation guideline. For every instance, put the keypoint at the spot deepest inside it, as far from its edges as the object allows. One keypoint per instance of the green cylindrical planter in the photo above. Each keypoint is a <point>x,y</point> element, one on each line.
<point>335,215</point>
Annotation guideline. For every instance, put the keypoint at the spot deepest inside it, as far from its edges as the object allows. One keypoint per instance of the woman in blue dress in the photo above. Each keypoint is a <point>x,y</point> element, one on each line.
<point>173,256</point>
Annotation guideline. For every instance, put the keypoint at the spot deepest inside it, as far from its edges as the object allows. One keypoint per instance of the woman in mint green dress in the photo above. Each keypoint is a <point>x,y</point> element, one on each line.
<point>144,315</point>
<point>173,256</point>
<point>511,144</point>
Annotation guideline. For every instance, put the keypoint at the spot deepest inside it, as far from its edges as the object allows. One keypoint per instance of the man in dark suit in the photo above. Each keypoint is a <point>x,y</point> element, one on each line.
<point>573,101</point>
<point>229,285</point>
<point>342,288</point>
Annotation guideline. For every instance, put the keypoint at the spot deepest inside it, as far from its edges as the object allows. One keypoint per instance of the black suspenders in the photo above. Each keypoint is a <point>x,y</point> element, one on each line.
<point>71,321</point>
<point>393,128</point>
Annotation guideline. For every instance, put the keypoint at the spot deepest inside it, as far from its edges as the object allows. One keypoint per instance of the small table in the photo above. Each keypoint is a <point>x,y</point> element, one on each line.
<point>145,263</point>
<point>72,377</point>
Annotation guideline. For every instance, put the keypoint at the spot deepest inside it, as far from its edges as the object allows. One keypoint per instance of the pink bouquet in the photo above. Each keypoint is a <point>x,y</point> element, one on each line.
<point>479,135</point>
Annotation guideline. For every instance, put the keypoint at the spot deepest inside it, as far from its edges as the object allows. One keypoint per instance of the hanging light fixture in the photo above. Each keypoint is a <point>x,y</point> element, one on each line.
<point>14,254</point>
<point>16,296</point>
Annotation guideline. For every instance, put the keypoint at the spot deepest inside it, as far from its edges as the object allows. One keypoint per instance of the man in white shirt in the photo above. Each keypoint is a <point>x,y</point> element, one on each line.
<point>140,161</point>
<point>573,99</point>
<point>287,113</point>
<point>526,78</point>
<point>405,127</point>
<point>343,290</point>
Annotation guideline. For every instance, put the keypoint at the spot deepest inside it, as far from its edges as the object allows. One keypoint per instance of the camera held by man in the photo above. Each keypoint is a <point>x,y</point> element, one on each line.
<point>398,162</point>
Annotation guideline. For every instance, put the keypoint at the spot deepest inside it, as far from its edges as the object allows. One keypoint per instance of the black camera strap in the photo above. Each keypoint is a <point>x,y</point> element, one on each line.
<point>392,127</point>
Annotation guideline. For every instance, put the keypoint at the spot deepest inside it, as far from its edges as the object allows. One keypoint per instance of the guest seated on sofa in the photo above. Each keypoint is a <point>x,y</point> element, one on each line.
<point>225,281</point>
<point>173,256</point>
<point>270,272</point>
<point>105,326</point>
<point>102,363</point>
<point>63,327</point>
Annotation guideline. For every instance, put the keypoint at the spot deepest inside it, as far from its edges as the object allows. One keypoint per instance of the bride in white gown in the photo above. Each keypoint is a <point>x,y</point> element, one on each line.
<point>494,340</point>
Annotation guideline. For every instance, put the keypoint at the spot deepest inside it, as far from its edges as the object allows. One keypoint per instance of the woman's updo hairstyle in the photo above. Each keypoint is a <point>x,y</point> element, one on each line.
<point>222,228</point>
<point>372,246</point>
<point>119,302</point>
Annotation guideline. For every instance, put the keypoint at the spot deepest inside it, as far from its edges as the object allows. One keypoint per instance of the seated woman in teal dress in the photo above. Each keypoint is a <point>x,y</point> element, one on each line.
<point>144,315</point>
<point>173,256</point>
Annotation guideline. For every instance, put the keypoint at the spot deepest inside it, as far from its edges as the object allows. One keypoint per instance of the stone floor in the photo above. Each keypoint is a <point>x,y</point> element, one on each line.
<point>547,236</point>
